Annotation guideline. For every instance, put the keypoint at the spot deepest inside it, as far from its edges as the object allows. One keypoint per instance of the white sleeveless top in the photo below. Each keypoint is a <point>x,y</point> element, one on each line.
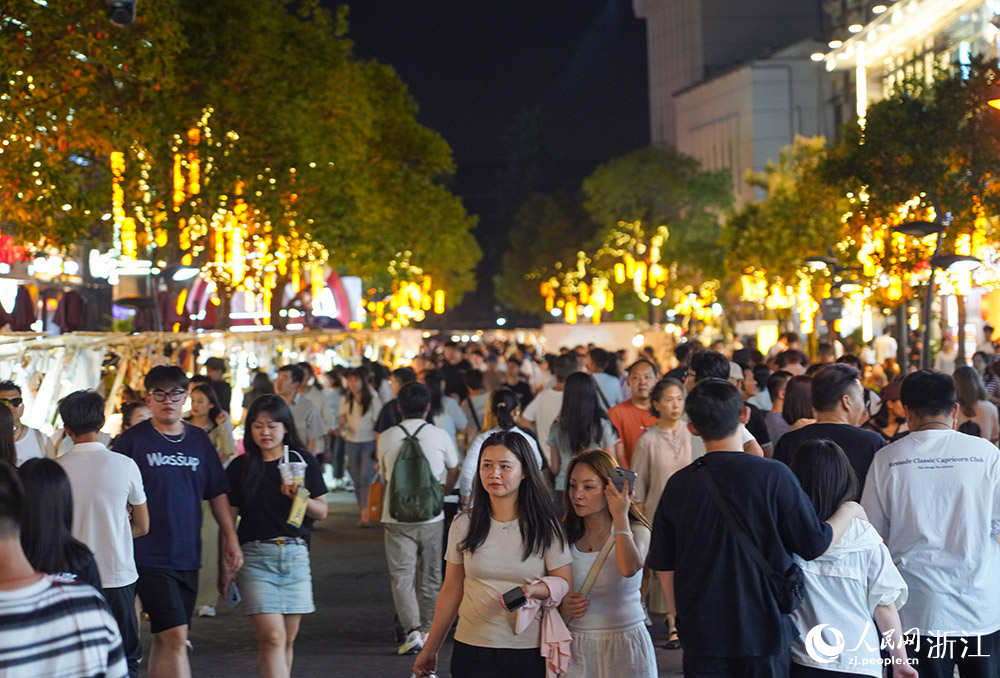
<point>30,446</point>
<point>615,602</point>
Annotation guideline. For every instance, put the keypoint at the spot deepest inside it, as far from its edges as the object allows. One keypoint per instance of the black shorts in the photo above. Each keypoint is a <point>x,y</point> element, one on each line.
<point>167,596</point>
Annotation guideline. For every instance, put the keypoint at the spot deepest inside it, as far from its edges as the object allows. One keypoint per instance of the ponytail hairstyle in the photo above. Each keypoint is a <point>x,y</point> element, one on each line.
<point>536,512</point>
<point>603,464</point>
<point>505,403</point>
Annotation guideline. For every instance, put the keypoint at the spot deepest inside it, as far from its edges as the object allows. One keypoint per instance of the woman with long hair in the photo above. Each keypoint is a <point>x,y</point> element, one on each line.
<point>8,450</point>
<point>582,424</point>
<point>208,415</point>
<point>608,621</point>
<point>505,408</point>
<point>357,426</point>
<point>511,538</point>
<point>275,580</point>
<point>852,583</point>
<point>47,524</point>
<point>973,405</point>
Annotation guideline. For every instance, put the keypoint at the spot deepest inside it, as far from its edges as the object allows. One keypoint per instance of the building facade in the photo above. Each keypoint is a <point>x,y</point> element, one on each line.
<point>741,119</point>
<point>689,41</point>
<point>873,46</point>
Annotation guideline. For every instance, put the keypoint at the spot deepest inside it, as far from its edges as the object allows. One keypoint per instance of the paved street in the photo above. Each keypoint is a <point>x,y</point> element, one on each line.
<point>351,632</point>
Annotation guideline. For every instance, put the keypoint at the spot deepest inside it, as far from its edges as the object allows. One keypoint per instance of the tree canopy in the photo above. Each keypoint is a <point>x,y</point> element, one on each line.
<point>328,144</point>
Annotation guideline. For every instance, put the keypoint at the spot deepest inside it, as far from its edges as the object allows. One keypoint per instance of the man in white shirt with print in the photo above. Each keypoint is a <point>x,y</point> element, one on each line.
<point>934,496</point>
<point>414,592</point>
<point>105,485</point>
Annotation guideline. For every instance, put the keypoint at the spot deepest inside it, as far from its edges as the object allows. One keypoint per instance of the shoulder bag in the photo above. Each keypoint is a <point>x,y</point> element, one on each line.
<point>788,588</point>
<point>595,569</point>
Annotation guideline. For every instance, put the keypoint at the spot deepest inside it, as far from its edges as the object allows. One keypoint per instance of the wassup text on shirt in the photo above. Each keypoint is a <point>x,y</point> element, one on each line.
<point>161,459</point>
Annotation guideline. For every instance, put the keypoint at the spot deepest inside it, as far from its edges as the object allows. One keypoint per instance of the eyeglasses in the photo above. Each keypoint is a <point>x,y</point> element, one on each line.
<point>175,396</point>
<point>12,402</point>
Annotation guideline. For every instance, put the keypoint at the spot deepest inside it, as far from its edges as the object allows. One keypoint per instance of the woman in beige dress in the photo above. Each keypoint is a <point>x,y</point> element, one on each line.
<point>660,452</point>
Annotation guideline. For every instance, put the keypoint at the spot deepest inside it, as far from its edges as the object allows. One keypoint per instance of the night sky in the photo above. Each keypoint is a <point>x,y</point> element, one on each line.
<point>474,66</point>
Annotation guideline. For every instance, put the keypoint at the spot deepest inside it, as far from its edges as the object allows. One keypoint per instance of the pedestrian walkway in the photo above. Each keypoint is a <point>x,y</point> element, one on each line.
<point>350,634</point>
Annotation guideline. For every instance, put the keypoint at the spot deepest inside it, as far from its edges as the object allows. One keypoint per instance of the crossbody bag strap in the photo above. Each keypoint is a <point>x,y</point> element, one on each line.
<point>472,411</point>
<point>595,569</point>
<point>734,526</point>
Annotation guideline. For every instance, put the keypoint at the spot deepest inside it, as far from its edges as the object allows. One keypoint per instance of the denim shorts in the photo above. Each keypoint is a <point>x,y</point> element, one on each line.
<point>276,579</point>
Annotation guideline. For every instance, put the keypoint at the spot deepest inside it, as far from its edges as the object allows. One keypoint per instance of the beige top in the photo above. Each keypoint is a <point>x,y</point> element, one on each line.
<point>987,418</point>
<point>658,455</point>
<point>495,568</point>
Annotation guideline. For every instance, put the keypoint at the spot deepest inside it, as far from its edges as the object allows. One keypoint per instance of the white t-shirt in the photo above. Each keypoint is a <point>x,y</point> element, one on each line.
<point>31,446</point>
<point>698,444</point>
<point>103,483</point>
<point>933,496</point>
<point>495,568</point>
<point>885,347</point>
<point>470,465</point>
<point>436,445</point>
<point>543,410</point>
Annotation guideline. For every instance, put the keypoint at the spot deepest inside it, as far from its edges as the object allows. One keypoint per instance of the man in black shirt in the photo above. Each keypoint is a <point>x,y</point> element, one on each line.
<point>215,368</point>
<point>390,415</point>
<point>514,380</point>
<point>838,401</point>
<point>728,619</point>
<point>453,371</point>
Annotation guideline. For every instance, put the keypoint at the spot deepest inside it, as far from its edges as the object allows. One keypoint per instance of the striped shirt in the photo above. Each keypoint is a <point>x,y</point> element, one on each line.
<point>58,630</point>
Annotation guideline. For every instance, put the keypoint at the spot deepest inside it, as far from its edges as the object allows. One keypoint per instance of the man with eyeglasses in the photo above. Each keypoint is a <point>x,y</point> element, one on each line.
<point>30,442</point>
<point>179,468</point>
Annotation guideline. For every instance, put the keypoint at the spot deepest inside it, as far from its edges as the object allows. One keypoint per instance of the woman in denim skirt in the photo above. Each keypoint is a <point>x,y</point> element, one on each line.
<point>275,581</point>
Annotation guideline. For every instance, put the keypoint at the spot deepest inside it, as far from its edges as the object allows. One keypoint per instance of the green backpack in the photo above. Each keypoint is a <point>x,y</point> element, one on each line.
<point>415,494</point>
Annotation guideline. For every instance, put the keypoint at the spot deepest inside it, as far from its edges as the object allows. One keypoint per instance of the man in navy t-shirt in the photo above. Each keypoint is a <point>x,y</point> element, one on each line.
<point>728,620</point>
<point>179,467</point>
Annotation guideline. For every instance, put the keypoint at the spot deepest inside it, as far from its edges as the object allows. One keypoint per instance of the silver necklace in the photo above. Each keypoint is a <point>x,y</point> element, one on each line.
<point>169,439</point>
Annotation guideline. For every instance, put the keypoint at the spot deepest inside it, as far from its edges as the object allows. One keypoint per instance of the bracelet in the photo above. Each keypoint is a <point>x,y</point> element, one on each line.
<point>625,532</point>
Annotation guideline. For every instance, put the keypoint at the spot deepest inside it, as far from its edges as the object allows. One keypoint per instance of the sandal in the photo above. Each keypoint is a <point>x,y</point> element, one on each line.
<point>673,642</point>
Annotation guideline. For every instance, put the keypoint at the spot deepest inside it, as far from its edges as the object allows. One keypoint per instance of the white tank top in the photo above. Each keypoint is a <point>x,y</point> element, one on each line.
<point>30,446</point>
<point>615,602</point>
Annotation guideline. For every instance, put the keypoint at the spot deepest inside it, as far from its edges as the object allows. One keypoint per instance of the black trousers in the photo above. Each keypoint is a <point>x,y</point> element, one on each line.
<point>121,600</point>
<point>773,666</point>
<point>337,453</point>
<point>800,671</point>
<point>469,661</point>
<point>938,657</point>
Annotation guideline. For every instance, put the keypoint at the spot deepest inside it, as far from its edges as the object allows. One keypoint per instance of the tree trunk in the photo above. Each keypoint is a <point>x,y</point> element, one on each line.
<point>277,321</point>
<point>225,308</point>
<point>960,335</point>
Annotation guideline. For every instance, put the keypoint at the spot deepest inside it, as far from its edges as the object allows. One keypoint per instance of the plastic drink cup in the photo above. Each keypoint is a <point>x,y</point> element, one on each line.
<point>298,472</point>
<point>285,469</point>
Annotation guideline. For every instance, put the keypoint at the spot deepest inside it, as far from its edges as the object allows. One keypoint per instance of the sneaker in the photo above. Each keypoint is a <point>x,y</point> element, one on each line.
<point>413,644</point>
<point>206,610</point>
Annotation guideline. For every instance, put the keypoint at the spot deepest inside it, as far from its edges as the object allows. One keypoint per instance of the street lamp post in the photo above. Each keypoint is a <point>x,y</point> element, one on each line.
<point>957,262</point>
<point>922,229</point>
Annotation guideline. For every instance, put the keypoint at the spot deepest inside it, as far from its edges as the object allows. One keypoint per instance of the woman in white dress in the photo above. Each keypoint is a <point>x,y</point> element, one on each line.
<point>608,623</point>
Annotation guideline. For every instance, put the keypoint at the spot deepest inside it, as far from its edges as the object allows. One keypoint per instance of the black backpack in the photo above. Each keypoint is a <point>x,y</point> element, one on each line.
<point>415,495</point>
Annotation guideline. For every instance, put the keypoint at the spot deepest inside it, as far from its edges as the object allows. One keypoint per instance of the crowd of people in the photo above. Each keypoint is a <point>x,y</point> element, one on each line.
<point>777,515</point>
